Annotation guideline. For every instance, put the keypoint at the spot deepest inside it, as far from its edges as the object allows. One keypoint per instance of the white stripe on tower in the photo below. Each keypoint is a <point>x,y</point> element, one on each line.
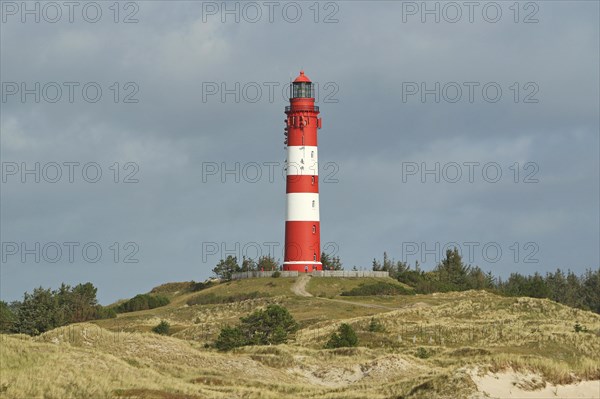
<point>302,207</point>
<point>302,160</point>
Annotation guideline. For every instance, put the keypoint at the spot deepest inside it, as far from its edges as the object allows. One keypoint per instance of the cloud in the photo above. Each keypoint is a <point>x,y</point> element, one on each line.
<point>370,133</point>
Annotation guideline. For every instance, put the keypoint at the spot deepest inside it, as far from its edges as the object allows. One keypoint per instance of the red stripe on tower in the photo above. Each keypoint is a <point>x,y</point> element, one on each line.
<point>302,225</point>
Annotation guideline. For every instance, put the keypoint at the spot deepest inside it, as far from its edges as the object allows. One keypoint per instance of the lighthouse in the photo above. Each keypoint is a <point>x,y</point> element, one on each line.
<point>302,226</point>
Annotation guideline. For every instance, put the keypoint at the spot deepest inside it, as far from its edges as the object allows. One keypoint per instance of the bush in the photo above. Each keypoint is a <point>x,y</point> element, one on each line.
<point>263,327</point>
<point>211,298</point>
<point>375,325</point>
<point>331,262</point>
<point>579,328</point>
<point>226,267</point>
<point>276,274</point>
<point>202,285</point>
<point>229,338</point>
<point>162,328</point>
<point>344,337</point>
<point>267,263</point>
<point>45,309</point>
<point>142,302</point>
<point>173,288</point>
<point>422,353</point>
<point>103,312</point>
<point>269,326</point>
<point>378,288</point>
<point>7,318</point>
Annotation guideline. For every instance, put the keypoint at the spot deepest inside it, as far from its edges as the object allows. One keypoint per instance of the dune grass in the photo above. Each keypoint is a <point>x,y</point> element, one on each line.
<point>121,358</point>
<point>332,287</point>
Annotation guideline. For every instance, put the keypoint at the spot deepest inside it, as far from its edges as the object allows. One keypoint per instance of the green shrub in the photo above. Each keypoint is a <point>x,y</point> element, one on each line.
<point>103,312</point>
<point>579,328</point>
<point>7,318</point>
<point>375,325</point>
<point>263,327</point>
<point>226,267</point>
<point>173,288</point>
<point>422,353</point>
<point>229,338</point>
<point>378,288</point>
<point>162,328</point>
<point>269,326</point>
<point>276,274</point>
<point>344,337</point>
<point>142,302</point>
<point>202,285</point>
<point>211,298</point>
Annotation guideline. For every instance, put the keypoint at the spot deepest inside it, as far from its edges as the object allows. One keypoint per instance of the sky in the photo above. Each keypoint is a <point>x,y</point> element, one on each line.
<point>142,142</point>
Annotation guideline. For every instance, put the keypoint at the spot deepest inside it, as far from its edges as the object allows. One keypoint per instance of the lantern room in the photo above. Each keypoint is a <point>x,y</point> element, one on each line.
<point>302,87</point>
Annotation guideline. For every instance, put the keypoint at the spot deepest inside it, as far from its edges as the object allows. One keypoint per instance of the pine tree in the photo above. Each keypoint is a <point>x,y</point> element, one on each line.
<point>331,262</point>
<point>267,263</point>
<point>344,337</point>
<point>225,268</point>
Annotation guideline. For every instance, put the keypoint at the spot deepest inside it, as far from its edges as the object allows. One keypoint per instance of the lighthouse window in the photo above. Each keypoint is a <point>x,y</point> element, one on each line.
<point>313,180</point>
<point>312,154</point>
<point>314,229</point>
<point>314,257</point>
<point>302,90</point>
<point>313,203</point>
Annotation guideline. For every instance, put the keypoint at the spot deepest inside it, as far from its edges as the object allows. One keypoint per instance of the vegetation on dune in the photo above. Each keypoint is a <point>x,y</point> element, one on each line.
<point>162,328</point>
<point>375,325</point>
<point>408,346</point>
<point>173,288</point>
<point>182,288</point>
<point>422,353</point>
<point>142,302</point>
<point>45,309</point>
<point>7,318</point>
<point>451,274</point>
<point>581,292</point>
<point>226,267</point>
<point>378,288</point>
<point>263,327</point>
<point>411,346</point>
<point>212,298</point>
<point>344,337</point>
<point>331,262</point>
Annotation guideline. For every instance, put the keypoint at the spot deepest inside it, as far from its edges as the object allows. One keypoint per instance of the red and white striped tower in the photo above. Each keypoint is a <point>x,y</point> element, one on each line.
<point>302,227</point>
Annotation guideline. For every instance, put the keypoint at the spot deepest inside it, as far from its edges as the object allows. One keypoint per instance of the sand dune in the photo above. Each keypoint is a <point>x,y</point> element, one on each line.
<point>516,385</point>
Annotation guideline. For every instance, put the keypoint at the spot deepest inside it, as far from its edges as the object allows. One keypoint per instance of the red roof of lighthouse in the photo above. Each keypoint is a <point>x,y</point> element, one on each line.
<point>302,78</point>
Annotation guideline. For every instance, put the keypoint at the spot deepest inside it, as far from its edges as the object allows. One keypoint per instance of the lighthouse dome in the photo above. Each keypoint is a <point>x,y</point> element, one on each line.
<point>302,78</point>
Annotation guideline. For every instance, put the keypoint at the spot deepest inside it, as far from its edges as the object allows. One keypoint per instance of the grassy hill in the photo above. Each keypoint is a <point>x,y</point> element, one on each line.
<point>432,346</point>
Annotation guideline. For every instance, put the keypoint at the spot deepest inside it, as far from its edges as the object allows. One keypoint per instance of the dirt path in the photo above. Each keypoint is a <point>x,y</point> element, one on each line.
<point>364,305</point>
<point>299,288</point>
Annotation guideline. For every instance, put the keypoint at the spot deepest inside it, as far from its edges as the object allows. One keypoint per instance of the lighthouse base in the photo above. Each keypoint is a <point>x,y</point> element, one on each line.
<point>301,267</point>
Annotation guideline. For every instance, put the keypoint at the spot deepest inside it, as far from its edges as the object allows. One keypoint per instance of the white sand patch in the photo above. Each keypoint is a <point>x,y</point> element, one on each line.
<point>512,385</point>
<point>334,377</point>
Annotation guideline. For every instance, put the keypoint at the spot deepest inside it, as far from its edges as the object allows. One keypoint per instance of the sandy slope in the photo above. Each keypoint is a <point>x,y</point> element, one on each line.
<point>517,385</point>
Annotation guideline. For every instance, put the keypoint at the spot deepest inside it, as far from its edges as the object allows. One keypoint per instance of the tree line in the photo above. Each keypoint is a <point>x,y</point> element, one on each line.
<point>45,309</point>
<point>226,267</point>
<point>451,274</point>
